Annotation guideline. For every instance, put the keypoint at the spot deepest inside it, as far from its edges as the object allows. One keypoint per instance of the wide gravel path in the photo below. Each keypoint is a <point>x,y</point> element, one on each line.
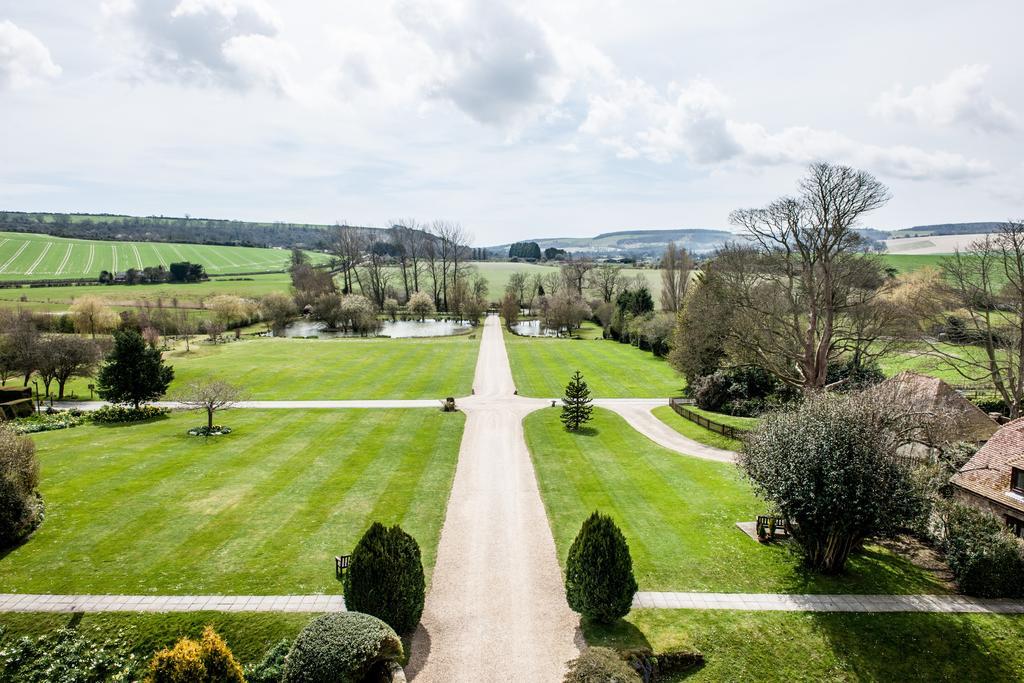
<point>496,610</point>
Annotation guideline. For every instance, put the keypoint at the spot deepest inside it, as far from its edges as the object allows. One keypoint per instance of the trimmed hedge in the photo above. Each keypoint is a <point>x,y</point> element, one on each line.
<point>341,647</point>
<point>599,581</point>
<point>385,577</point>
<point>600,665</point>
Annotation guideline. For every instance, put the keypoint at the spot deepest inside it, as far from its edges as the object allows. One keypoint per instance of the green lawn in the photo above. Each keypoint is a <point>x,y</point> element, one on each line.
<point>37,256</point>
<point>679,513</point>
<point>148,509</point>
<point>799,646</point>
<point>329,369</point>
<point>694,431</point>
<point>730,420</point>
<point>249,635</point>
<point>916,361</point>
<point>542,366</point>
<point>908,263</point>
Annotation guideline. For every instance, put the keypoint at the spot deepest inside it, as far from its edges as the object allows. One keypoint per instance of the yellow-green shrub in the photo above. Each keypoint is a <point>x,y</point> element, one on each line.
<point>207,661</point>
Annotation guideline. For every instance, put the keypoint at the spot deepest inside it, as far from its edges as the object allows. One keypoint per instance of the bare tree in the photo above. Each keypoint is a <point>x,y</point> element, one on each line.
<point>574,273</point>
<point>606,279</point>
<point>210,395</point>
<point>453,241</point>
<point>676,265</point>
<point>349,244</point>
<point>63,356</point>
<point>802,284</point>
<point>517,287</point>
<point>378,270</point>
<point>407,236</point>
<point>986,283</point>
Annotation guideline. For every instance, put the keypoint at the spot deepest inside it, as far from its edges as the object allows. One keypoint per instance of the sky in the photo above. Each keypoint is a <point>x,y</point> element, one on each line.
<point>516,119</point>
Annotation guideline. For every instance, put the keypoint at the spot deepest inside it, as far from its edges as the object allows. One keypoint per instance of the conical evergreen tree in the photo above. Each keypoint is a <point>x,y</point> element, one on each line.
<point>599,581</point>
<point>576,406</point>
<point>133,373</point>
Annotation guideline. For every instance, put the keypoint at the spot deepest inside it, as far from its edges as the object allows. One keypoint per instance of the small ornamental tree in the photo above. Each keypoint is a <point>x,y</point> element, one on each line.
<point>21,506</point>
<point>210,395</point>
<point>576,406</point>
<point>599,582</point>
<point>385,577</point>
<point>421,305</point>
<point>831,468</point>
<point>133,373</point>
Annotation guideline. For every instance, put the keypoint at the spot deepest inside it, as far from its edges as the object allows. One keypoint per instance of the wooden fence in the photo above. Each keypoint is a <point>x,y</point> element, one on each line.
<point>680,406</point>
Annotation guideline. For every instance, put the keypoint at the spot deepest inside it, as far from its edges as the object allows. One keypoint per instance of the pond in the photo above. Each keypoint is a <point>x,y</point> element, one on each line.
<point>532,328</point>
<point>400,329</point>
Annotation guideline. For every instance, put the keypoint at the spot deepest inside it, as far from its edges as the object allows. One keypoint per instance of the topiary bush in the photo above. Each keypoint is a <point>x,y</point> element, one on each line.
<point>385,577</point>
<point>599,582</point>
<point>270,669</point>
<point>342,647</point>
<point>208,660</point>
<point>600,665</point>
<point>986,559</point>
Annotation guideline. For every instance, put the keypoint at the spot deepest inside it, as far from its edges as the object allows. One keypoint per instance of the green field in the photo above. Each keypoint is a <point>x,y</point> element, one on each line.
<point>328,369</point>
<point>917,361</point>
<point>498,273</point>
<point>542,366</point>
<point>907,263</point>
<point>692,430</point>
<point>249,635</point>
<point>783,646</point>
<point>679,514</point>
<point>187,295</point>
<point>146,508</point>
<point>27,256</point>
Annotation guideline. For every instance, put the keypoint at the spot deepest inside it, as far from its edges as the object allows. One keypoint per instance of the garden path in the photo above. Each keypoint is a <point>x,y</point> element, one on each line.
<point>496,608</point>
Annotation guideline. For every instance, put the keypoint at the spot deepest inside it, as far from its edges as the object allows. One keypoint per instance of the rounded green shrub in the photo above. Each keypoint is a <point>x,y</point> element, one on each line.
<point>385,577</point>
<point>600,665</point>
<point>599,582</point>
<point>986,559</point>
<point>342,647</point>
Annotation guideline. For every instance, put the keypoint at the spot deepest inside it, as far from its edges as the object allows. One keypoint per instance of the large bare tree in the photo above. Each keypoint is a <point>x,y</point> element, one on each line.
<point>606,279</point>
<point>804,287</point>
<point>985,285</point>
<point>676,265</point>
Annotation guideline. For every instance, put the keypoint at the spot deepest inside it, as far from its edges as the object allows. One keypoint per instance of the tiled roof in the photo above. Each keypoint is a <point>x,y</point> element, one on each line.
<point>988,473</point>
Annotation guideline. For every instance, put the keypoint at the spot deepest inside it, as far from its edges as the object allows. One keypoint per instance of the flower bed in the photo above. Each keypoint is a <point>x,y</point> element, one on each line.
<point>42,422</point>
<point>114,414</point>
<point>215,430</point>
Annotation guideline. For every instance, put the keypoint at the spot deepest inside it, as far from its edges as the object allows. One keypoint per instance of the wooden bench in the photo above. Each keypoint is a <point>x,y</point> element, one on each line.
<point>341,564</point>
<point>768,525</point>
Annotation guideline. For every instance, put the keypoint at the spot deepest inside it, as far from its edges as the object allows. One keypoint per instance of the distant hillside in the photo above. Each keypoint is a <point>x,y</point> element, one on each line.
<point>947,229</point>
<point>169,229</point>
<point>634,243</point>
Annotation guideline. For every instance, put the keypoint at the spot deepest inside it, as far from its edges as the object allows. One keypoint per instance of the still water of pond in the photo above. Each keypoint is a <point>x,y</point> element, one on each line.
<point>532,328</point>
<point>400,329</point>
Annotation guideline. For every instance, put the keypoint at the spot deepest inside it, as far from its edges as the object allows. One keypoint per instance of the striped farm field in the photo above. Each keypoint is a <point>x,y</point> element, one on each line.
<point>26,256</point>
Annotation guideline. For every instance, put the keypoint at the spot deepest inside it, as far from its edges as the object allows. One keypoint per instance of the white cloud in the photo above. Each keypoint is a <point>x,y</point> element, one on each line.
<point>959,99</point>
<point>207,42</point>
<point>489,60</point>
<point>24,59</point>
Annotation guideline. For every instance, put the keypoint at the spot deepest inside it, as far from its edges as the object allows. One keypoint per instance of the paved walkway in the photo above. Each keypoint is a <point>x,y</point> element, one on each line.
<point>638,414</point>
<point>781,602</point>
<point>748,602</point>
<point>23,602</point>
<point>496,610</point>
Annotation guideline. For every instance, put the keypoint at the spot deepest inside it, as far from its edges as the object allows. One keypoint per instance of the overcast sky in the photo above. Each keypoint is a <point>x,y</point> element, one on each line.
<point>518,119</point>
